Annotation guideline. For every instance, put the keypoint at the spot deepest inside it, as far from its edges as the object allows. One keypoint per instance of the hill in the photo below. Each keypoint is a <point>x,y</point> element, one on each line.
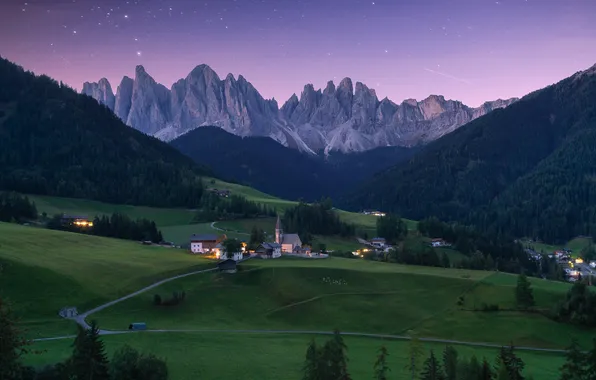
<point>524,170</point>
<point>283,294</point>
<point>267,165</point>
<point>54,141</point>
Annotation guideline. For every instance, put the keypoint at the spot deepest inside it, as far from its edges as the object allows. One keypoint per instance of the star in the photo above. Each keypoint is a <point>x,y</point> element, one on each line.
<point>139,53</point>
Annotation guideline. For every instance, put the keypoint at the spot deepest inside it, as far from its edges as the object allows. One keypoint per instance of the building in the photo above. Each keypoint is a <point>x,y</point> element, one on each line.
<point>76,220</point>
<point>68,312</point>
<point>206,243</point>
<point>288,242</point>
<point>236,256</point>
<point>378,242</point>
<point>269,250</point>
<point>227,266</point>
<point>438,242</point>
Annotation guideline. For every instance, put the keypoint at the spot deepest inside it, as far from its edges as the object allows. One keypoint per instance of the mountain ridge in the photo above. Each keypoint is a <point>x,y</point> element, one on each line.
<point>347,118</point>
<point>526,170</point>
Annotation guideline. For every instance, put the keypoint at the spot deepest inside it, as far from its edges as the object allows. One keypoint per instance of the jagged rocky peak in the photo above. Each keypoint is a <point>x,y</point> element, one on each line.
<point>123,98</point>
<point>346,85</point>
<point>100,91</point>
<point>330,88</point>
<point>411,102</point>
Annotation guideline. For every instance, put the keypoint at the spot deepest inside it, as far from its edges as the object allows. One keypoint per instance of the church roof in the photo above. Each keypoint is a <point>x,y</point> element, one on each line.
<point>293,239</point>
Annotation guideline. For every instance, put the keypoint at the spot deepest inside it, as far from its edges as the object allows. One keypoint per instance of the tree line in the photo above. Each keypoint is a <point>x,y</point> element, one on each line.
<point>330,361</point>
<point>213,207</point>
<point>117,226</point>
<point>315,219</point>
<point>16,208</point>
<point>88,359</point>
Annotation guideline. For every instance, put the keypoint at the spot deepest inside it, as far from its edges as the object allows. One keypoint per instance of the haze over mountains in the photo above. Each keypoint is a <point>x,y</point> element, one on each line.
<point>345,118</point>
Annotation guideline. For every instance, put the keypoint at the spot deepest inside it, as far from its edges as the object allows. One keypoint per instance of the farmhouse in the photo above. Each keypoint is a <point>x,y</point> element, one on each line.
<point>378,242</point>
<point>206,243</point>
<point>76,220</point>
<point>438,242</point>
<point>269,250</point>
<point>289,242</point>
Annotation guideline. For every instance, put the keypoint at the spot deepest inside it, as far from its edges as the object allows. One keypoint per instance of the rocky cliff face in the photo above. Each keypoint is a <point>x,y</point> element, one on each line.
<point>345,118</point>
<point>100,91</point>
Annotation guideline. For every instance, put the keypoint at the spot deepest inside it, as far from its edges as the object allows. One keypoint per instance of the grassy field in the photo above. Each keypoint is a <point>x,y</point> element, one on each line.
<point>161,216</point>
<point>271,357</point>
<point>181,234</point>
<point>378,297</point>
<point>45,270</point>
<point>576,245</point>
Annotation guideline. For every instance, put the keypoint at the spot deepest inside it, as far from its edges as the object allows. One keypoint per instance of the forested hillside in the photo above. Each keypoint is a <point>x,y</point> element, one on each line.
<point>527,170</point>
<point>54,141</point>
<point>263,163</point>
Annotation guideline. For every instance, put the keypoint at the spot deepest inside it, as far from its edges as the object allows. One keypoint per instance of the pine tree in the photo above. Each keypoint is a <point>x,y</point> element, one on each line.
<point>381,368</point>
<point>591,362</point>
<point>12,345</point>
<point>432,369</point>
<point>311,366</point>
<point>486,372</point>
<point>509,362</point>
<point>414,355</point>
<point>575,363</point>
<point>336,358</point>
<point>89,360</point>
<point>524,295</point>
<point>450,363</point>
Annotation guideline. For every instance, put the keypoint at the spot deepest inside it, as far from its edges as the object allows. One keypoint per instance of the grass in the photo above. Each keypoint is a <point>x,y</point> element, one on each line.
<point>45,270</point>
<point>161,216</point>
<point>270,357</point>
<point>576,245</point>
<point>181,234</point>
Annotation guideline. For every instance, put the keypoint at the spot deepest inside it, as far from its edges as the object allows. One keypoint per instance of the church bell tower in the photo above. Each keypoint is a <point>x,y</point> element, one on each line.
<point>278,231</point>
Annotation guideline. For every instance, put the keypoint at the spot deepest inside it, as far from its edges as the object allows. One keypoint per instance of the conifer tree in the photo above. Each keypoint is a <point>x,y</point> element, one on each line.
<point>336,358</point>
<point>486,372</point>
<point>312,366</point>
<point>450,363</point>
<point>524,295</point>
<point>89,360</point>
<point>381,368</point>
<point>432,369</point>
<point>575,363</point>
<point>12,345</point>
<point>414,355</point>
<point>513,365</point>
<point>591,362</point>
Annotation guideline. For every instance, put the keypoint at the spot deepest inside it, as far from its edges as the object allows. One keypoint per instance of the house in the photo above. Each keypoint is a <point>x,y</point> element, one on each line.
<point>288,242</point>
<point>76,220</point>
<point>68,312</point>
<point>221,193</point>
<point>269,250</point>
<point>206,243</point>
<point>303,251</point>
<point>137,326</point>
<point>438,242</point>
<point>227,266</point>
<point>378,242</point>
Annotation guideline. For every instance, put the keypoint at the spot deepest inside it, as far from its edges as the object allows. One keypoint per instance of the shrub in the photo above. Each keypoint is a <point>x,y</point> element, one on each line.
<point>156,299</point>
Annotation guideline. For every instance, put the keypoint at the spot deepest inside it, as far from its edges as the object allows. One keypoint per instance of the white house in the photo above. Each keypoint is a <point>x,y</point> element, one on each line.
<point>269,250</point>
<point>205,243</point>
<point>439,243</point>
<point>236,256</point>
<point>68,312</point>
<point>378,242</point>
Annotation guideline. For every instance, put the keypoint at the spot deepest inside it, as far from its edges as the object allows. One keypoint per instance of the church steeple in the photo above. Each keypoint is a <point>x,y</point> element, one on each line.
<point>278,231</point>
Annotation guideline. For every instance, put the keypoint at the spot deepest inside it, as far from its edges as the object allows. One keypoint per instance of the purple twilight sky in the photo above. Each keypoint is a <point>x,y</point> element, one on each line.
<point>469,50</point>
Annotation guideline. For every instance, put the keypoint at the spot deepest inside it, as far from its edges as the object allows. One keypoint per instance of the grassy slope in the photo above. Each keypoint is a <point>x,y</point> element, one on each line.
<point>271,357</point>
<point>45,270</point>
<point>378,297</point>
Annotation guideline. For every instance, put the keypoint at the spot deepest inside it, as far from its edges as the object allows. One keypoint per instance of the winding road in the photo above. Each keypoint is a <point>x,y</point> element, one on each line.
<point>81,320</point>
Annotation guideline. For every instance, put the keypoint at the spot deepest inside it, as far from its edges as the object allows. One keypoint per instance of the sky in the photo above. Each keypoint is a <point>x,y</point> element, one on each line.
<point>468,50</point>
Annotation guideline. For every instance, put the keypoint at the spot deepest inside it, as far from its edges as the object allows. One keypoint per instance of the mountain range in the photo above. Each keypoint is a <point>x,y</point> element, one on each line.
<point>345,118</point>
<point>265,164</point>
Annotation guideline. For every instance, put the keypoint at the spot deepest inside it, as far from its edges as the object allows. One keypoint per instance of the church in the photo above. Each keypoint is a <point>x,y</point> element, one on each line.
<point>289,242</point>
